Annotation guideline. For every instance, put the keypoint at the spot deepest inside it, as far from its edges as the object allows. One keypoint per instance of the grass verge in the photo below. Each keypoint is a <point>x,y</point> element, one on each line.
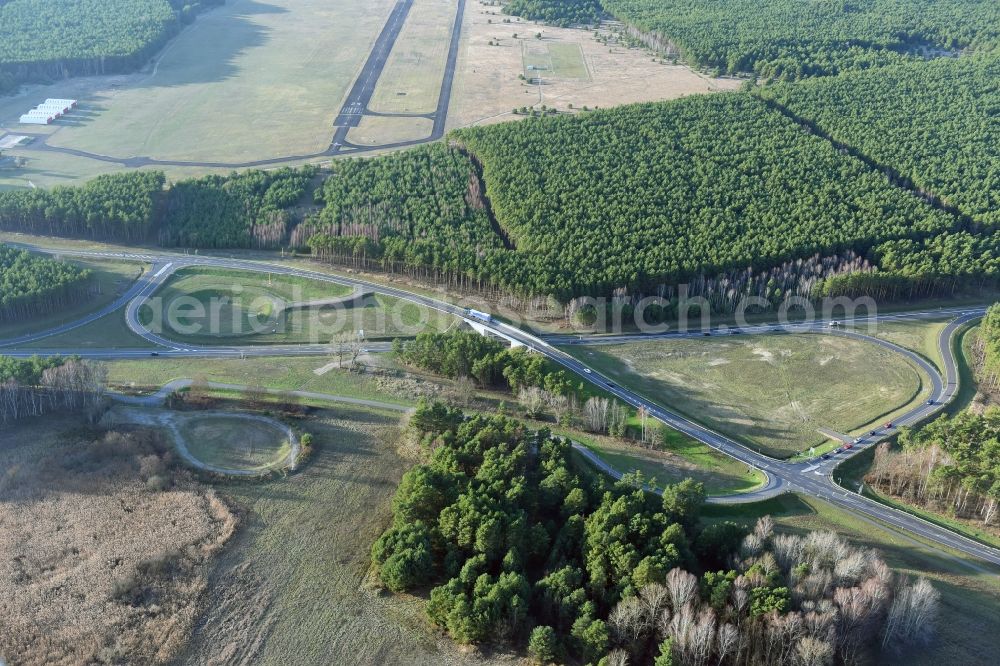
<point>288,373</point>
<point>110,331</point>
<point>721,475</point>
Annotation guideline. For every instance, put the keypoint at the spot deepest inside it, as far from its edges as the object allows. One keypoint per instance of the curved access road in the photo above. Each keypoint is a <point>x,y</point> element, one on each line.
<point>810,478</point>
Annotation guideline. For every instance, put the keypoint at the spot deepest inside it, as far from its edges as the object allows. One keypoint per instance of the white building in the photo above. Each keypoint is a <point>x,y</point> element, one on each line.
<point>47,111</point>
<point>35,118</point>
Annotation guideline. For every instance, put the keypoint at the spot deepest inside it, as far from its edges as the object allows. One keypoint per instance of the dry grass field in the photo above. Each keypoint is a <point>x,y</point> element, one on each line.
<point>411,80</point>
<point>235,443</point>
<point>583,71</point>
<point>773,392</point>
<point>104,546</point>
<point>291,587</point>
<point>378,131</point>
<point>251,80</point>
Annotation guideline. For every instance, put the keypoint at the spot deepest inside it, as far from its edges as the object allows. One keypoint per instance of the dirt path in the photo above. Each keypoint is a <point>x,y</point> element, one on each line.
<point>148,410</point>
<point>171,421</point>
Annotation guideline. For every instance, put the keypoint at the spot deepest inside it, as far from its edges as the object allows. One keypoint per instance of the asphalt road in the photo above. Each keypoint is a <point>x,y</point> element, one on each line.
<point>364,86</point>
<point>808,477</point>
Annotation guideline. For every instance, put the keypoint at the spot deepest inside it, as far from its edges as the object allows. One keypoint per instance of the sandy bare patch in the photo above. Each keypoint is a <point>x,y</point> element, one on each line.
<point>103,548</point>
<point>488,87</point>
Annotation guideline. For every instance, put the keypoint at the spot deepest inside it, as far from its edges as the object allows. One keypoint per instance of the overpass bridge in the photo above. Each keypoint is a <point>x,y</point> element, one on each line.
<point>492,330</point>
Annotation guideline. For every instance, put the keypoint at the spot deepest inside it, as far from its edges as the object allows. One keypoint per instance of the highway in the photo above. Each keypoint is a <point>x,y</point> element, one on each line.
<point>812,477</point>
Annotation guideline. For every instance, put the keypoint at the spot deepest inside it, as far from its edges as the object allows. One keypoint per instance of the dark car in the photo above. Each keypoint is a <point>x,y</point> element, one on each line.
<point>154,353</point>
<point>826,456</point>
<point>706,333</point>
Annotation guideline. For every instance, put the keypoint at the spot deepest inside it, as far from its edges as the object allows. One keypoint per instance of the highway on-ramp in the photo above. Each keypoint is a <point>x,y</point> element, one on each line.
<point>809,477</point>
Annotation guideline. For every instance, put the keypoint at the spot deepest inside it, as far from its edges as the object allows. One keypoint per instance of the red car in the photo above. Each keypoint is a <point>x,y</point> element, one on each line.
<point>889,424</point>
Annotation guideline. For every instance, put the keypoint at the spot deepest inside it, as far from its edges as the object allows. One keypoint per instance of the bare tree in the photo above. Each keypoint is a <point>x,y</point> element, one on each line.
<point>657,437</point>
<point>532,399</point>
<point>255,397</point>
<point>657,599</point>
<point>617,658</point>
<point>752,545</point>
<point>787,549</point>
<point>681,586</point>
<point>595,411</point>
<point>345,344</point>
<point>629,621</point>
<point>764,527</point>
<point>198,388</point>
<point>643,414</point>
<point>465,391</point>
<point>703,637</point>
<point>726,640</point>
<point>617,418</point>
<point>73,385</point>
<point>811,651</point>
<point>912,615</point>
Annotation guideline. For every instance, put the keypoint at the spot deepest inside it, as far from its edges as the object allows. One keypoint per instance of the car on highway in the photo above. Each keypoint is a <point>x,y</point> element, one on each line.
<point>826,456</point>
<point>930,402</point>
<point>874,433</point>
<point>888,425</point>
<point>612,385</point>
<point>587,370</point>
<point>154,353</point>
<point>706,334</point>
<point>848,446</point>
